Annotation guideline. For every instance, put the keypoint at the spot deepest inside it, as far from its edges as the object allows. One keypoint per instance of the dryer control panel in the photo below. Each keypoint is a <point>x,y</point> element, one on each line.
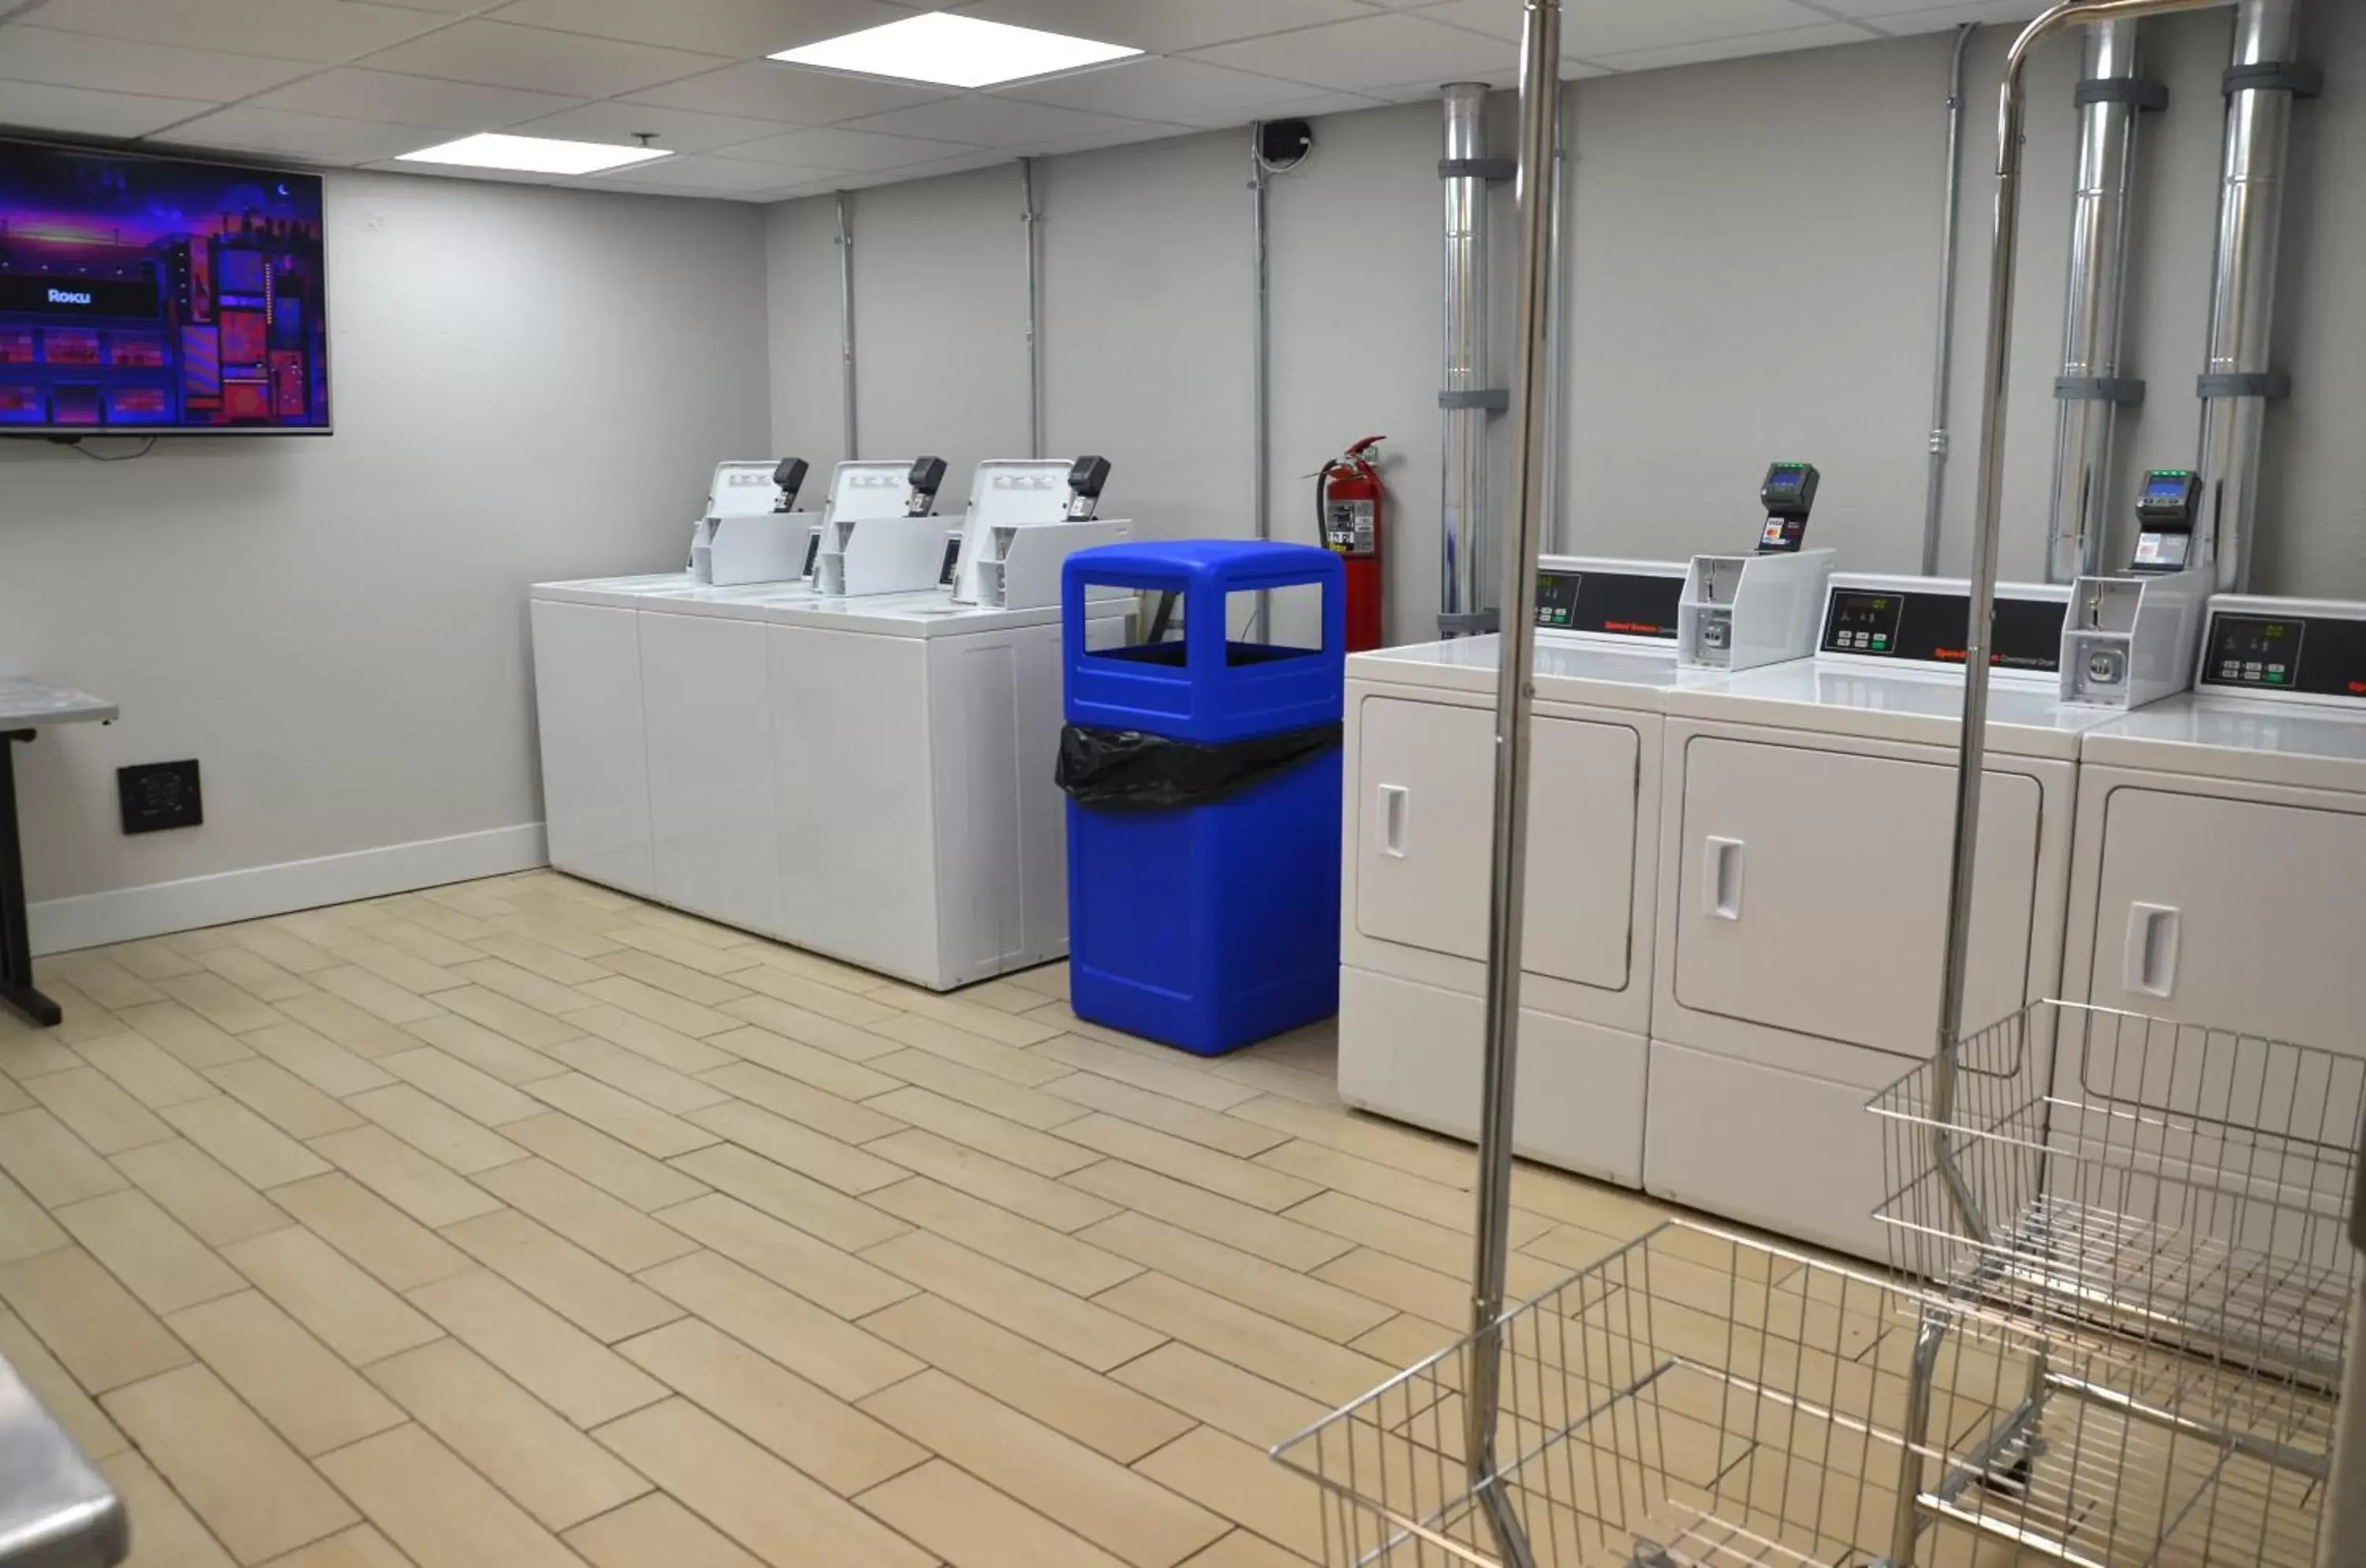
<point>1921,621</point>
<point>1619,600</point>
<point>2310,649</point>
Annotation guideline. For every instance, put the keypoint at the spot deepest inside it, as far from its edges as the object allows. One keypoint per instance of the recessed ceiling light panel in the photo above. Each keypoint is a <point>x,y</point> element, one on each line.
<point>532,154</point>
<point>954,51</point>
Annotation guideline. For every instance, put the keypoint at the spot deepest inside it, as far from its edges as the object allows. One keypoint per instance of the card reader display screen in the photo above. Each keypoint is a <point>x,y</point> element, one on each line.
<point>1920,627</point>
<point>2166,490</point>
<point>2321,656</point>
<point>1612,604</point>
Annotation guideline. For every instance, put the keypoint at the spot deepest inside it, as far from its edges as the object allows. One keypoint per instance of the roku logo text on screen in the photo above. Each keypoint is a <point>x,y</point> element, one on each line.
<point>69,296</point>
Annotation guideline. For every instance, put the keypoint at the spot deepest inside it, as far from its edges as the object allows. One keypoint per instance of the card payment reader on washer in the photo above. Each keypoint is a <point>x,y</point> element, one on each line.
<point>2165,508</point>
<point>751,532</point>
<point>1025,518</point>
<point>1788,495</point>
<point>879,534</point>
<point>1740,612</point>
<point>2130,640</point>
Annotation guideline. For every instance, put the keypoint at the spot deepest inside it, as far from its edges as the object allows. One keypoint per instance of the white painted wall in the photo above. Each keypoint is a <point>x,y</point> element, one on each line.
<point>528,384</point>
<point>533,384</point>
<point>1752,274</point>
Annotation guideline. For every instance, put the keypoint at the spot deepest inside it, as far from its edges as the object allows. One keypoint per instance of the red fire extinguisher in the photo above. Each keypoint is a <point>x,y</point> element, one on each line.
<point>1350,501</point>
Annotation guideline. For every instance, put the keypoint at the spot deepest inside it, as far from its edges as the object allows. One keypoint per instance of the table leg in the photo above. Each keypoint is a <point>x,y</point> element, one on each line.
<point>16,939</point>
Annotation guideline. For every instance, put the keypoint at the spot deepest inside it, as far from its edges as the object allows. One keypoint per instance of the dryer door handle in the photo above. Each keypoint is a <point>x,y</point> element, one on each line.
<point>2149,965</point>
<point>1396,807</point>
<point>1722,879</point>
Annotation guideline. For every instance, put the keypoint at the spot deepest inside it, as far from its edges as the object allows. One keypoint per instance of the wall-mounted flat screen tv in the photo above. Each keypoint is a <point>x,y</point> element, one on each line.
<point>150,296</point>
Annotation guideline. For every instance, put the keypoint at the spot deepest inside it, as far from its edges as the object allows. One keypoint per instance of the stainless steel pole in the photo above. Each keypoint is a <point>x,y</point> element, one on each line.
<point>2090,389</point>
<point>1934,488</point>
<point>2238,383</point>
<point>1514,689</point>
<point>1261,383</point>
<point>1557,524</point>
<point>846,328</point>
<point>1462,608</point>
<point>1034,221</point>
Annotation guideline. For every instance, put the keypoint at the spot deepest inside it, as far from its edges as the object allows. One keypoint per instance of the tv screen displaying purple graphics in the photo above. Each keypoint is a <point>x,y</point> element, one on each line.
<point>153,295</point>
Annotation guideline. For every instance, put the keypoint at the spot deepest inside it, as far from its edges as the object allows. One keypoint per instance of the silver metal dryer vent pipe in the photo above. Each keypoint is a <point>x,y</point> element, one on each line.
<point>2236,388</point>
<point>2090,391</point>
<point>846,329</point>
<point>1943,359</point>
<point>1466,599</point>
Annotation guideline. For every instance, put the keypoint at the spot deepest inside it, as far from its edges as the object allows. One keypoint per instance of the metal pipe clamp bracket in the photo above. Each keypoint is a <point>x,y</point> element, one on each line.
<point>2126,390</point>
<point>2274,76</point>
<point>2151,98</point>
<point>2254,384</point>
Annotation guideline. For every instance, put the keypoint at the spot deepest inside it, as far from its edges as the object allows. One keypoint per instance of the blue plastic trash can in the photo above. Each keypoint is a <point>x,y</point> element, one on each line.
<point>1215,922</point>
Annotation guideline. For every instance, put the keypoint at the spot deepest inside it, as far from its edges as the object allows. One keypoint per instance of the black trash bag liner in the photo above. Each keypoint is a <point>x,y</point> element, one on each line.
<point>1125,770</point>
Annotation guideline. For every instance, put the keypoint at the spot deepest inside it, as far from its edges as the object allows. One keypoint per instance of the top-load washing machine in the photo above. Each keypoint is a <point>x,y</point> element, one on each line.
<point>1805,824</point>
<point>1612,642</point>
<point>867,775</point>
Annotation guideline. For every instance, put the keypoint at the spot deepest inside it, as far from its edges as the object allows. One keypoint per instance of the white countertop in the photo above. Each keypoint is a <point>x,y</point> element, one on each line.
<point>1598,674</point>
<point>29,704</point>
<point>2261,739</point>
<point>925,613</point>
<point>2026,716</point>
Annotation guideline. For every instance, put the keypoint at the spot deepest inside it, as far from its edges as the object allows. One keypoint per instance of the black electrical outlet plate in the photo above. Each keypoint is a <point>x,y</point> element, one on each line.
<point>157,795</point>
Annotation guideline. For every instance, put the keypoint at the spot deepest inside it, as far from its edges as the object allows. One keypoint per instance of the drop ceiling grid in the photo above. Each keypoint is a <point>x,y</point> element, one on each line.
<point>350,83</point>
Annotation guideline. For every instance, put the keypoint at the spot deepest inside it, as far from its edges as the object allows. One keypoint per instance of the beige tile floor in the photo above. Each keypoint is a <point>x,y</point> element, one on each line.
<point>522,1225</point>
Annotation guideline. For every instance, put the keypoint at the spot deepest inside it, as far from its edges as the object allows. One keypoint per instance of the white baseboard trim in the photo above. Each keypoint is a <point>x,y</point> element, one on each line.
<point>127,914</point>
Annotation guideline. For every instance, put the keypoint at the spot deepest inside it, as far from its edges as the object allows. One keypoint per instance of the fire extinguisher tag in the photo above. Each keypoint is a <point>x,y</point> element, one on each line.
<point>1347,527</point>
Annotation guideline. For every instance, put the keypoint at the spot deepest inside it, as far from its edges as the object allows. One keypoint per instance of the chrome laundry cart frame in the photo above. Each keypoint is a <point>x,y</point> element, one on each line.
<point>1698,1398</point>
<point>2158,1203</point>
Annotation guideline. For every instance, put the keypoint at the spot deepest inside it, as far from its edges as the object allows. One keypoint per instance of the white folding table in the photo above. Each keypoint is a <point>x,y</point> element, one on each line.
<point>27,707</point>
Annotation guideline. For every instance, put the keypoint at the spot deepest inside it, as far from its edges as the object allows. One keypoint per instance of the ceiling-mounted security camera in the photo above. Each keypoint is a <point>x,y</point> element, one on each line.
<point>1283,144</point>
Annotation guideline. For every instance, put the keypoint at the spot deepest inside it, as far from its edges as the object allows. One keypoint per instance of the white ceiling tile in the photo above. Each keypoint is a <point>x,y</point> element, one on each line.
<point>763,89</point>
<point>461,172</point>
<point>1125,138</point>
<point>498,54</point>
<point>84,111</point>
<point>1816,36</point>
<point>713,177</point>
<point>1186,92</point>
<point>323,31</point>
<point>1381,49</point>
<point>677,130</point>
<point>737,27</point>
<point>1593,30</point>
<point>1314,104</point>
<point>977,121</point>
<point>851,152</point>
<point>445,7</point>
<point>351,93</point>
<point>116,65</point>
<point>1891,17</point>
<point>1164,27</point>
<point>1425,90</point>
<point>311,137</point>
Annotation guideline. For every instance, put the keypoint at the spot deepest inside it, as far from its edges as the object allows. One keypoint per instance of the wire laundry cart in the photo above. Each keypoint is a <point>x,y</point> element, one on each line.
<point>2162,1209</point>
<point>2117,1337</point>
